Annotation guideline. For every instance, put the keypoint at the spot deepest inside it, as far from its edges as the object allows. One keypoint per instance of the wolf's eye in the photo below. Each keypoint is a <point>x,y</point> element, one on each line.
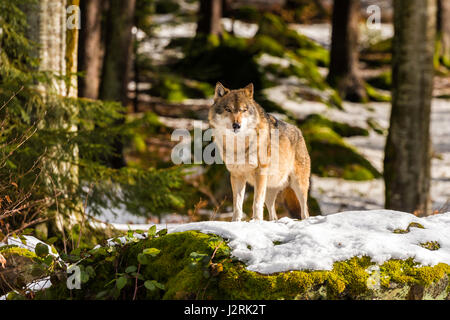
<point>227,109</point>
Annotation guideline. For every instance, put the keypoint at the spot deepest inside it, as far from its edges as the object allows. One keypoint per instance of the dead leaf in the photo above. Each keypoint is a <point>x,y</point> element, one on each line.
<point>2,261</point>
<point>8,199</point>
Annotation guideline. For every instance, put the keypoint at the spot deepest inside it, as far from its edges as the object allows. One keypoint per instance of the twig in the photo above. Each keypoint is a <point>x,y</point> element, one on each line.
<point>136,282</point>
<point>84,215</point>
<point>59,216</point>
<point>12,97</point>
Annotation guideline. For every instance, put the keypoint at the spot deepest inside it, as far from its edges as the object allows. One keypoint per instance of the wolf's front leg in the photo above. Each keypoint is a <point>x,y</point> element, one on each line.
<point>260,196</point>
<point>238,186</point>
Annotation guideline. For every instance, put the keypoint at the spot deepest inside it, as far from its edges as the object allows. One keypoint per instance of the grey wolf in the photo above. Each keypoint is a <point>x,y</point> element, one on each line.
<point>283,168</point>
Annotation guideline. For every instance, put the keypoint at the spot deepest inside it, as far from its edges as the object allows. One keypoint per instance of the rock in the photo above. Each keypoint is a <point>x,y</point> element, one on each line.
<point>194,265</point>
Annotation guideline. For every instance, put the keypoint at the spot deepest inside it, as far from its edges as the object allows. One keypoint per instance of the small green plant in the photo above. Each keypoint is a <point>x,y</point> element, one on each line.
<point>408,229</point>
<point>431,245</point>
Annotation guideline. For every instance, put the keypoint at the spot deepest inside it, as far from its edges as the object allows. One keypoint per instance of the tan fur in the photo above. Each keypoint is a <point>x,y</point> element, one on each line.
<point>286,169</point>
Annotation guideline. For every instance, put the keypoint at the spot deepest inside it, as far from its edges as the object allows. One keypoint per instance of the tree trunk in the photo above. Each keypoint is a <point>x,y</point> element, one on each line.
<point>210,16</point>
<point>57,53</point>
<point>91,50</point>
<point>344,55</point>
<point>444,31</point>
<point>407,153</point>
<point>118,51</point>
<point>117,61</point>
<point>46,26</point>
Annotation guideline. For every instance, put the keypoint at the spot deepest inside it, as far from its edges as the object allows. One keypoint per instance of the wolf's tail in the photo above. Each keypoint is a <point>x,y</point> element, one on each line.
<point>291,203</point>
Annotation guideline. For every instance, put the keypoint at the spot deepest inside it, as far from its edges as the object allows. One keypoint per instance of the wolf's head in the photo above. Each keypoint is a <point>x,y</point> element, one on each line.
<point>234,109</point>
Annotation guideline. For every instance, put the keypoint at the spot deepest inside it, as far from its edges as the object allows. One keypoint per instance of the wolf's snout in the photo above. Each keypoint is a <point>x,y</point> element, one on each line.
<point>236,126</point>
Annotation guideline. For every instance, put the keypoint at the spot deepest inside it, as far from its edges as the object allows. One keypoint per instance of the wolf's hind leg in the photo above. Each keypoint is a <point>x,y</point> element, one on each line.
<point>259,196</point>
<point>300,187</point>
<point>238,186</point>
<point>271,197</point>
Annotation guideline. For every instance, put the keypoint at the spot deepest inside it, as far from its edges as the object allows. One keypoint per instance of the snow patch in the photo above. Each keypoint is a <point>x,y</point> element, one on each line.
<point>28,242</point>
<point>316,243</point>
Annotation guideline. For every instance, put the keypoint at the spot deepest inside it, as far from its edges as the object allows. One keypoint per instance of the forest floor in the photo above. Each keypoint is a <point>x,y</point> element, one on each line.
<point>333,194</point>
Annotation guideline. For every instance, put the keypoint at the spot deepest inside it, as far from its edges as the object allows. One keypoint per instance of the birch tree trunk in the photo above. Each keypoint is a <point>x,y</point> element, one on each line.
<point>407,153</point>
<point>344,56</point>
<point>57,53</point>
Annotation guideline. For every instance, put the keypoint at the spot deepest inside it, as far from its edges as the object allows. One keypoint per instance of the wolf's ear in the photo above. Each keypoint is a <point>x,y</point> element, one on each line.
<point>249,90</point>
<point>220,91</point>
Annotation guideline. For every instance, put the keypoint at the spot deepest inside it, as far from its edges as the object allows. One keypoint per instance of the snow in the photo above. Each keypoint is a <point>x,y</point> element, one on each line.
<point>321,33</point>
<point>316,243</point>
<point>28,242</point>
<point>240,28</point>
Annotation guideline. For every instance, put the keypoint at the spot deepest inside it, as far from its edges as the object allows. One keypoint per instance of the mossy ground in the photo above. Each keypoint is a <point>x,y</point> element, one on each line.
<point>330,155</point>
<point>193,265</point>
<point>22,267</point>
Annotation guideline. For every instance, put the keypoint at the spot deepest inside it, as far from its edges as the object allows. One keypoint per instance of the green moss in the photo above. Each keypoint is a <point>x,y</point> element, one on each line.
<point>408,229</point>
<point>23,267</point>
<point>331,156</point>
<point>343,129</point>
<point>273,26</point>
<point>382,46</point>
<point>375,126</point>
<point>318,55</point>
<point>266,44</point>
<point>9,251</point>
<point>431,245</point>
<point>230,61</point>
<point>407,272</point>
<point>376,95</point>
<point>378,54</point>
<point>176,89</point>
<point>382,81</point>
<point>188,270</point>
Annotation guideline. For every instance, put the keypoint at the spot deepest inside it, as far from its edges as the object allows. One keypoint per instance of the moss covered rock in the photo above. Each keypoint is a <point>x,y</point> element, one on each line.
<point>176,89</point>
<point>24,266</point>
<point>18,268</point>
<point>330,155</point>
<point>193,265</point>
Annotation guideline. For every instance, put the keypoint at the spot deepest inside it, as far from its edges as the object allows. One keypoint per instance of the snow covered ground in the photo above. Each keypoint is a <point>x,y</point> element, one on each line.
<point>318,242</point>
<point>335,195</point>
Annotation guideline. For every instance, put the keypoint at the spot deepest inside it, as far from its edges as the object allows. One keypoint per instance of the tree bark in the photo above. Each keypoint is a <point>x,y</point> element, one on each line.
<point>344,56</point>
<point>407,153</point>
<point>117,62</point>
<point>444,31</point>
<point>46,26</point>
<point>91,48</point>
<point>118,51</point>
<point>57,53</point>
<point>210,16</point>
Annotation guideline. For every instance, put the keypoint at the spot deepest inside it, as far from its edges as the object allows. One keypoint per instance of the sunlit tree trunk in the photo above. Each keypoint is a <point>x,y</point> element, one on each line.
<point>210,15</point>
<point>444,31</point>
<point>55,29</point>
<point>90,53</point>
<point>407,154</point>
<point>344,56</point>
